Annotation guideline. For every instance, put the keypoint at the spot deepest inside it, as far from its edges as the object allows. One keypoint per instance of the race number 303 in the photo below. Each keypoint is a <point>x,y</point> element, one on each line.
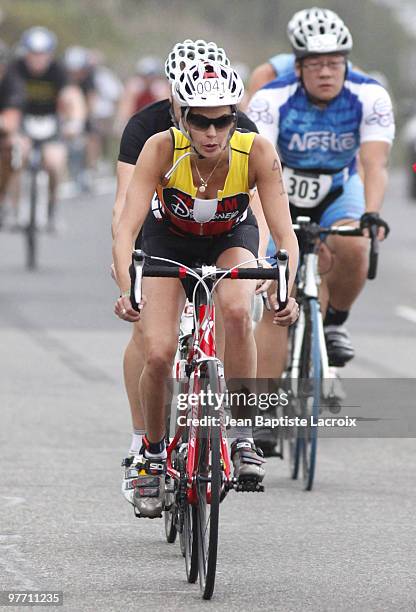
<point>306,191</point>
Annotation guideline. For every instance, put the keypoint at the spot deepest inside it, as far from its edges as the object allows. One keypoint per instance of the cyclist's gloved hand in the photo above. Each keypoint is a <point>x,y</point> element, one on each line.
<point>373,218</point>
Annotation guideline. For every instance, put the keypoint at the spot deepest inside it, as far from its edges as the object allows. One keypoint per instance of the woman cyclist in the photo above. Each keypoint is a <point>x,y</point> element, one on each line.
<point>204,174</point>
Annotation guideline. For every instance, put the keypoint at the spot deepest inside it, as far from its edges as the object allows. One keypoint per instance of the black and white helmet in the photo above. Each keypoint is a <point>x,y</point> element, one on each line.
<point>191,51</point>
<point>314,31</point>
<point>208,84</point>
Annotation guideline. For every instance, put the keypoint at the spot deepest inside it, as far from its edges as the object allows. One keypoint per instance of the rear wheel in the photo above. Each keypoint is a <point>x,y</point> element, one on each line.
<point>188,536</point>
<point>190,540</point>
<point>171,512</point>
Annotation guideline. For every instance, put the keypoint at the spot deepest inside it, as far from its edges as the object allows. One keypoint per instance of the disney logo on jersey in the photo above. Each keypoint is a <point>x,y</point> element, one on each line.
<point>382,113</point>
<point>179,208</point>
<point>259,110</point>
<point>326,141</point>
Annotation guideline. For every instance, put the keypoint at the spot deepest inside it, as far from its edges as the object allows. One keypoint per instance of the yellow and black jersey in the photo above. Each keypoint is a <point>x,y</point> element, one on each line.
<point>190,214</point>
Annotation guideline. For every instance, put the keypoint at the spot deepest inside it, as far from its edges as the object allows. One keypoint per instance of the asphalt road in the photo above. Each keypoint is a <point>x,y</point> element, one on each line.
<point>348,545</point>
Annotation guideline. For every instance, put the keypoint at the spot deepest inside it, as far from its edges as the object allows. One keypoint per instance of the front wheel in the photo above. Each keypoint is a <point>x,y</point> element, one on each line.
<point>311,373</point>
<point>208,484</point>
<point>209,489</point>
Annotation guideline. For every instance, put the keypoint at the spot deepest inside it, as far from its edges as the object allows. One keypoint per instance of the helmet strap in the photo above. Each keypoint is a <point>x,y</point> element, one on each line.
<point>172,116</point>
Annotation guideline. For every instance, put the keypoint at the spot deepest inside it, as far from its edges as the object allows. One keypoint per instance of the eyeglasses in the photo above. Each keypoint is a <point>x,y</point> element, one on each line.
<point>201,122</point>
<point>316,66</point>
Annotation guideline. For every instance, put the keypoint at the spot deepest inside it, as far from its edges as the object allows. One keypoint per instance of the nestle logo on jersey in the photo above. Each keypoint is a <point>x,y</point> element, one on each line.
<point>327,141</point>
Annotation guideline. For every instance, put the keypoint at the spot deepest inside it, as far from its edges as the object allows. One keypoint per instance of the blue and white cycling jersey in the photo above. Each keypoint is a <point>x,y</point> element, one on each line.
<point>283,63</point>
<point>322,142</point>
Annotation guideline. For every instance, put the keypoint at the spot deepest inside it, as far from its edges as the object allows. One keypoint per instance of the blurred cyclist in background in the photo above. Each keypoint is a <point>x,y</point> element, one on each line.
<point>11,105</point>
<point>82,155</point>
<point>108,92</point>
<point>48,98</point>
<point>145,87</point>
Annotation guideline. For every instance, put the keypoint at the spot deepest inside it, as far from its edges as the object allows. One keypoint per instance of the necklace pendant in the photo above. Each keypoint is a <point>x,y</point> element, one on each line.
<point>202,188</point>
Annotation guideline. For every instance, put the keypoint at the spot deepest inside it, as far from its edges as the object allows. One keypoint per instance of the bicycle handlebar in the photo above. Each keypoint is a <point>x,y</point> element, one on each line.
<point>313,231</point>
<point>138,271</point>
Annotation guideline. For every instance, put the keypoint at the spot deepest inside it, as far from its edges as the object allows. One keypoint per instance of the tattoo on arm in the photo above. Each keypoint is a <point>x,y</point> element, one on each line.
<point>276,166</point>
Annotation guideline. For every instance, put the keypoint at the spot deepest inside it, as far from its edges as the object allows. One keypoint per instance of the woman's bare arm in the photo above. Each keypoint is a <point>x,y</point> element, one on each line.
<point>147,174</point>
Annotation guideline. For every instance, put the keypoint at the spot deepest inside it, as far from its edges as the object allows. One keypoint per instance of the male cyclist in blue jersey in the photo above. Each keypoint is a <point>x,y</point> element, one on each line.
<point>320,118</point>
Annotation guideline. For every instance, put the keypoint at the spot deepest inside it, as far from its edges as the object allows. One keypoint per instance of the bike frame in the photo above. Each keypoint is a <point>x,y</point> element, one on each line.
<point>310,318</point>
<point>204,343</point>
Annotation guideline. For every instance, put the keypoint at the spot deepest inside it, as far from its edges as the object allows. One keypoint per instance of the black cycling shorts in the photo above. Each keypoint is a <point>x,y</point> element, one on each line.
<point>164,240</point>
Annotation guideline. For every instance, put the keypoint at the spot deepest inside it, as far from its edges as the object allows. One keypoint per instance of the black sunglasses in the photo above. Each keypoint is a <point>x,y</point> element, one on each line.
<point>201,122</point>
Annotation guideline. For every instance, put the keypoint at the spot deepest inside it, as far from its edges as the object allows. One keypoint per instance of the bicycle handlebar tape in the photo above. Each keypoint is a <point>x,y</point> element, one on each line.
<point>136,274</point>
<point>282,278</point>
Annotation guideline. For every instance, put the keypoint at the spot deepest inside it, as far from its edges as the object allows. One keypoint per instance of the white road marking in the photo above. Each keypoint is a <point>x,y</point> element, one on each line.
<point>406,312</point>
<point>12,501</point>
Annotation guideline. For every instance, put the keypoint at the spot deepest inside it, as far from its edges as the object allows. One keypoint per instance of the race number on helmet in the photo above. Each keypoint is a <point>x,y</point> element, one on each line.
<point>208,84</point>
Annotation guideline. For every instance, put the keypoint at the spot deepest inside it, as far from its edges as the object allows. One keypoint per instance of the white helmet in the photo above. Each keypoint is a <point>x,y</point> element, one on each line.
<point>76,58</point>
<point>314,31</point>
<point>38,40</point>
<point>208,84</point>
<point>192,50</point>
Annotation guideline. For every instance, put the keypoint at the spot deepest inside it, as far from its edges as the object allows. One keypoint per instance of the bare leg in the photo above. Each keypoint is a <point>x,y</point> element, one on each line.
<point>235,301</point>
<point>348,271</point>
<point>160,321</point>
<point>271,343</point>
<point>54,156</point>
<point>133,367</point>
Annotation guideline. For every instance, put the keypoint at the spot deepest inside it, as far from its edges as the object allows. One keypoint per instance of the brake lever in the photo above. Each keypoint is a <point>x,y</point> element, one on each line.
<point>136,275</point>
<point>282,278</point>
<point>374,250</point>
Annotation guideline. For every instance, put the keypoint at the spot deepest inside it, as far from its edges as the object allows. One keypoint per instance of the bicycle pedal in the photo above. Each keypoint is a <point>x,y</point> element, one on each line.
<point>246,486</point>
<point>250,487</point>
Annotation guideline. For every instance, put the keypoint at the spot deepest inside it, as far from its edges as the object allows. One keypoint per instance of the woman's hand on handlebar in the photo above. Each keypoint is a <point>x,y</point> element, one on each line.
<point>125,311</point>
<point>288,315</point>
